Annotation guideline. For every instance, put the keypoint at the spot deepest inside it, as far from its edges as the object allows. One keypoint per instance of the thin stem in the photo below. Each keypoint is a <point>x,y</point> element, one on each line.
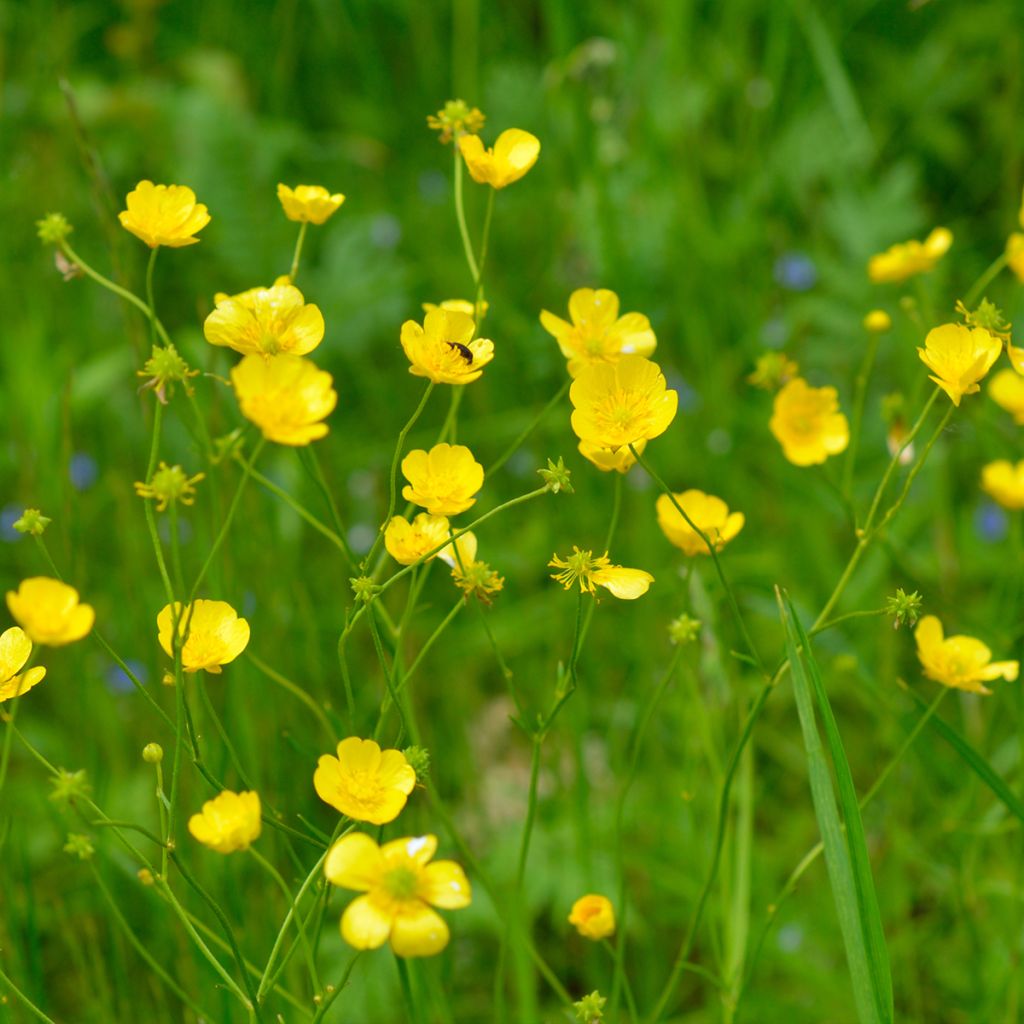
<point>713,552</point>
<point>859,400</point>
<point>336,990</point>
<point>393,478</point>
<point>460,216</point>
<point>149,293</point>
<point>24,999</point>
<point>484,241</point>
<point>530,428</point>
<point>295,690</point>
<point>294,272</point>
<point>615,952</point>
<point>993,269</point>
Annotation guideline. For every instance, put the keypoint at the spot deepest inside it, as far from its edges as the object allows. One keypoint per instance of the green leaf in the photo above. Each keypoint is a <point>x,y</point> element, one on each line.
<point>974,761</point>
<point>867,998</point>
<point>856,842</point>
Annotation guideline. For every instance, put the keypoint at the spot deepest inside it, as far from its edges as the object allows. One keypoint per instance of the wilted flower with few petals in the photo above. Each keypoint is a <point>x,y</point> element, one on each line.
<point>473,577</point>
<point>958,661</point>
<point>286,396</point>
<point>959,357</point>
<point>456,118</point>
<point>622,403</point>
<point>514,153</point>
<point>908,258</point>
<point>444,349</point>
<point>32,522</point>
<point>593,917</point>
<point>163,370</point>
<point>443,480</point>
<point>807,423</point>
<point>408,542</point>
<point>169,485</point>
<point>709,513</point>
<point>216,635</point>
<point>15,648</point>
<point>400,887</point>
<point>364,782</point>
<point>49,611</point>
<point>1004,481</point>
<point>164,215</point>
<point>772,370</point>
<point>266,321</point>
<point>597,333</point>
<point>229,822</point>
<point>311,204</point>
<point>588,570</point>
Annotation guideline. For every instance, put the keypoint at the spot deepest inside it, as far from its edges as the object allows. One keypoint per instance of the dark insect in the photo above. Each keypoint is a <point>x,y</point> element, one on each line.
<point>463,350</point>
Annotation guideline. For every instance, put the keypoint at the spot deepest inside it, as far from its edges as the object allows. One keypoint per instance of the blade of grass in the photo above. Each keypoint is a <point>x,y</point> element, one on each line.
<point>856,842</point>
<point>837,855</point>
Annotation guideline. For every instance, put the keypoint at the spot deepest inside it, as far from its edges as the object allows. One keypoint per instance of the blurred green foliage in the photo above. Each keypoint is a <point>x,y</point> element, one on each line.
<point>727,168</point>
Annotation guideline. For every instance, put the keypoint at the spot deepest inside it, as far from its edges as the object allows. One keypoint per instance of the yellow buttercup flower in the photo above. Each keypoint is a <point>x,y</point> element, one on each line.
<point>444,349</point>
<point>959,357</point>
<point>909,258</point>
<point>1015,254</point>
<point>593,917</point>
<point>229,822</point>
<point>709,513</point>
<point>877,321</point>
<point>364,782</point>
<point>400,886</point>
<point>49,611</point>
<point>514,153</point>
<point>958,661</point>
<point>216,635</point>
<point>164,215</point>
<point>807,423</point>
<point>1004,481</point>
<point>286,396</point>
<point>266,321</point>
<point>457,306</point>
<point>1006,389</point>
<point>443,480</point>
<point>597,333</point>
<point>408,542</point>
<point>588,570</point>
<point>311,204</point>
<point>472,576</point>
<point>609,461</point>
<point>15,647</point>
<point>622,403</point>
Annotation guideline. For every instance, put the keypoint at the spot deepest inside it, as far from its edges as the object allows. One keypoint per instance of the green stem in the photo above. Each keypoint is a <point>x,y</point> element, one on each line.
<point>993,269</point>
<point>24,999</point>
<point>336,990</point>
<point>615,952</point>
<point>332,506</point>
<point>393,478</point>
<point>712,551</point>
<point>859,400</point>
<point>460,216</point>
<point>294,272</point>
<point>295,690</point>
<point>530,428</point>
<point>484,241</point>
<point>149,293</point>
<point>411,1003</point>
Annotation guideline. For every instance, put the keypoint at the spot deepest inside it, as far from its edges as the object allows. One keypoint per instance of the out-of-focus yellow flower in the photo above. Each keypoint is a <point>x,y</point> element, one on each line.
<point>709,513</point>
<point>312,204</point>
<point>455,118</point>
<point>1015,254</point>
<point>164,215</point>
<point>514,153</point>
<point>400,886</point>
<point>15,647</point>
<point>444,349</point>
<point>617,404</point>
<point>1004,481</point>
<point>49,611</point>
<point>408,542</point>
<point>588,570</point>
<point>608,461</point>
<point>169,485</point>
<point>807,423</point>
<point>597,333</point>
<point>216,635</point>
<point>443,480</point>
<point>471,576</point>
<point>906,259</point>
<point>364,782</point>
<point>1006,389</point>
<point>772,370</point>
<point>959,357</point>
<point>229,822</point>
<point>593,917</point>
<point>457,306</point>
<point>266,321</point>
<point>877,321</point>
<point>287,397</point>
<point>958,661</point>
